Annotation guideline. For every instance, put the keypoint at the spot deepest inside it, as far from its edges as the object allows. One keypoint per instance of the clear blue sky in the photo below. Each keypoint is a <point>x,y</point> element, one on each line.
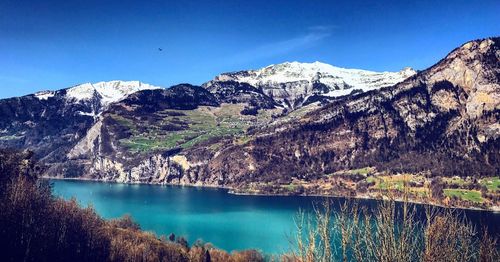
<point>53,44</point>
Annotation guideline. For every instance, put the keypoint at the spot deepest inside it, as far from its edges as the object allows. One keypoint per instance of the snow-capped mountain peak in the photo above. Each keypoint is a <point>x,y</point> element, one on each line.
<point>109,92</point>
<point>295,71</point>
<point>294,82</point>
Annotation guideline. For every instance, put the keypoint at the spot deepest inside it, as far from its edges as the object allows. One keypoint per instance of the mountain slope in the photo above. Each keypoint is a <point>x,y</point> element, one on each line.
<point>139,138</point>
<point>443,120</point>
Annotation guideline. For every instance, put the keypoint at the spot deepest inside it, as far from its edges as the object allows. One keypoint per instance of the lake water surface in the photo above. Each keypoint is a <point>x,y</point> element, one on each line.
<point>230,222</point>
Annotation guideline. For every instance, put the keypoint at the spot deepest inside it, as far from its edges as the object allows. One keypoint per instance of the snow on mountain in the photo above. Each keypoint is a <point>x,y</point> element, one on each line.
<point>295,82</point>
<point>44,95</point>
<point>108,92</point>
<point>325,73</point>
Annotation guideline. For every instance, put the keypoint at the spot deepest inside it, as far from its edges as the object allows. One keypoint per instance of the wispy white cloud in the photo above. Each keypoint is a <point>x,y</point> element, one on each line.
<point>314,35</point>
<point>322,28</point>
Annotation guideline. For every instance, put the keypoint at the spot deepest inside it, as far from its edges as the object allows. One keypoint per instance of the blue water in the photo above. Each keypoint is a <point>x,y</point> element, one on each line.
<point>230,222</point>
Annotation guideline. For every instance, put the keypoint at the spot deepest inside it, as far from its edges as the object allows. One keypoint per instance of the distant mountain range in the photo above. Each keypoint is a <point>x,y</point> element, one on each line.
<point>275,124</point>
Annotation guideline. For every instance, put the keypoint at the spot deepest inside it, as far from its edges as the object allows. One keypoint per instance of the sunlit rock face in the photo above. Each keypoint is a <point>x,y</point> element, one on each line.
<point>475,68</point>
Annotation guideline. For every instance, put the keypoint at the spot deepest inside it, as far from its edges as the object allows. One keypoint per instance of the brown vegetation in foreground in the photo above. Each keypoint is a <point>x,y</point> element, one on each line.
<point>34,226</point>
<point>389,234</point>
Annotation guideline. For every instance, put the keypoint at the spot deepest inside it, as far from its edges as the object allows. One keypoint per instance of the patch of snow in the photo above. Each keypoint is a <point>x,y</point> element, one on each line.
<point>92,114</point>
<point>44,95</point>
<point>81,92</point>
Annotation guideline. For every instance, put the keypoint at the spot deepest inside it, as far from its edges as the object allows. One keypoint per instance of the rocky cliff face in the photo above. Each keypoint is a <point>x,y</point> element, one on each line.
<point>270,125</point>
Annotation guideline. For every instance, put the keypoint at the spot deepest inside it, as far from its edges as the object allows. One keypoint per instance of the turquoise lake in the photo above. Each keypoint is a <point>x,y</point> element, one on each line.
<point>230,222</point>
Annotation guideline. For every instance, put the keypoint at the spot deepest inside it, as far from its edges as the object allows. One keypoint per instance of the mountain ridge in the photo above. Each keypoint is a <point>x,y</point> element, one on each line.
<point>85,91</point>
<point>292,83</point>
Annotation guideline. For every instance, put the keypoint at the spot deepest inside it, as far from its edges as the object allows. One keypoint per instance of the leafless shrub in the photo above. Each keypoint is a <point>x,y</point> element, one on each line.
<point>488,248</point>
<point>125,222</point>
<point>388,233</point>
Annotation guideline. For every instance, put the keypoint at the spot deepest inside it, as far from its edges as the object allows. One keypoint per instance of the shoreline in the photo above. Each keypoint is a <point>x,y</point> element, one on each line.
<point>230,190</point>
<point>399,200</point>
